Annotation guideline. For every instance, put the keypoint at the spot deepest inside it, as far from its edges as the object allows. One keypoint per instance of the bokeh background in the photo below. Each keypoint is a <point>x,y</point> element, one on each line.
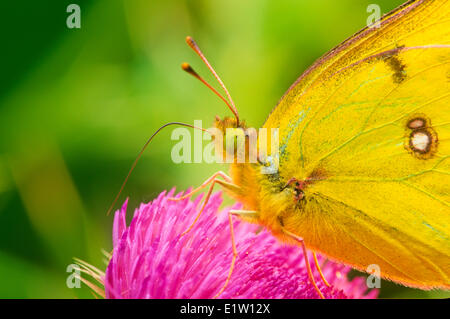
<point>76,106</point>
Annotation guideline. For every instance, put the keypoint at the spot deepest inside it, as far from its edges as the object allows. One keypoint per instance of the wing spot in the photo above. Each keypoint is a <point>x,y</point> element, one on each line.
<point>416,123</point>
<point>421,138</point>
<point>398,67</point>
<point>420,141</point>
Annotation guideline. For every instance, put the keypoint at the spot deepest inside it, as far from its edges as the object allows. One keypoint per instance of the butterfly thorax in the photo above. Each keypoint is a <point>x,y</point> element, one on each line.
<point>280,203</point>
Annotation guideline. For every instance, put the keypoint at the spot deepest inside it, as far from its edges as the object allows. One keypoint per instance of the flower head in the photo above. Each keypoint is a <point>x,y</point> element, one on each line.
<point>151,260</point>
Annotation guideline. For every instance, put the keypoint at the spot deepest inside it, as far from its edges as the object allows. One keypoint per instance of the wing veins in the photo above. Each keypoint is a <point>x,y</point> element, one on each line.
<point>358,241</point>
<point>383,125</point>
<point>395,88</point>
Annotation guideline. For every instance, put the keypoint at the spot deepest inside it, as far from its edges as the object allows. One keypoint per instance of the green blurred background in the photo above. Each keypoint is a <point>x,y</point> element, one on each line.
<point>76,106</point>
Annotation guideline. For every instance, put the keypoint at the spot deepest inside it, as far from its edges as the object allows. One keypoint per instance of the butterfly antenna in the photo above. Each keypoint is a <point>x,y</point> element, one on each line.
<point>140,155</point>
<point>186,67</point>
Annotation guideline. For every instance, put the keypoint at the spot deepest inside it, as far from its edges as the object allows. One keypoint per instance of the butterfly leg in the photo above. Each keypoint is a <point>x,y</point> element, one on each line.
<point>202,186</point>
<point>226,185</point>
<point>320,270</point>
<point>245,214</point>
<point>308,266</point>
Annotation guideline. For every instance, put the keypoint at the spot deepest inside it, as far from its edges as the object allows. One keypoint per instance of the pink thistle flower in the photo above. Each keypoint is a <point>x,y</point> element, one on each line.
<point>150,260</point>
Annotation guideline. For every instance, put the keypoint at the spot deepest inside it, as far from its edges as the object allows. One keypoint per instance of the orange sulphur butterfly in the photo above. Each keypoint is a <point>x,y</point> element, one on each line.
<point>364,152</point>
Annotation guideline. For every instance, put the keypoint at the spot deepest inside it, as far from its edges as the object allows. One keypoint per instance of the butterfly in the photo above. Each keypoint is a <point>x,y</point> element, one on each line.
<point>364,152</point>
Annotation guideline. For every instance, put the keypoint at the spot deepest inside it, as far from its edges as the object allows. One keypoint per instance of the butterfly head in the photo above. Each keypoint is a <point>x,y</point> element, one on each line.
<point>228,123</point>
<point>234,137</point>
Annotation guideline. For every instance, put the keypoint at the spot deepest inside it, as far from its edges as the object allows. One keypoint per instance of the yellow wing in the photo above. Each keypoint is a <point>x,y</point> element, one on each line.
<point>372,120</point>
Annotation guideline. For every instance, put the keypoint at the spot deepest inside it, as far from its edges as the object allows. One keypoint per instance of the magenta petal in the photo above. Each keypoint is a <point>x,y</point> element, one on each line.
<point>119,224</point>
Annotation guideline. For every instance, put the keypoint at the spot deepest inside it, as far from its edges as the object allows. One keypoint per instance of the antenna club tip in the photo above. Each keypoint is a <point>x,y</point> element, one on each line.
<point>190,41</point>
<point>185,66</point>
